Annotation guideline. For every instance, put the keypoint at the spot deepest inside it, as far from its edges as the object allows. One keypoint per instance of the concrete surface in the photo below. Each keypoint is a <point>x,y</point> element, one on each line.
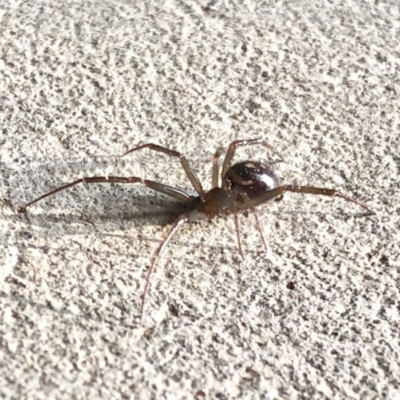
<point>316,316</point>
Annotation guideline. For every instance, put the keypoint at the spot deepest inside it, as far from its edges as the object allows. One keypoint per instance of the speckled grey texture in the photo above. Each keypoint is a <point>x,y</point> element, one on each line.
<point>316,316</point>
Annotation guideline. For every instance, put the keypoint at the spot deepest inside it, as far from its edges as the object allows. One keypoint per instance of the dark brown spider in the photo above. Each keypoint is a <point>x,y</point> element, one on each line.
<point>244,186</point>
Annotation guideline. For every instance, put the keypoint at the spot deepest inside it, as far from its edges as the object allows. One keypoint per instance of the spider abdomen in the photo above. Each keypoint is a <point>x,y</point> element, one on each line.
<point>253,178</point>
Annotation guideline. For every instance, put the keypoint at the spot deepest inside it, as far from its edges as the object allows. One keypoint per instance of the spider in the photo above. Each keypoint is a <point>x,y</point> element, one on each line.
<point>244,186</point>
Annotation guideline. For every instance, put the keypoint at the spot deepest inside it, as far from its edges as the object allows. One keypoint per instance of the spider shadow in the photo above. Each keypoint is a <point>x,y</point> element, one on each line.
<point>107,213</point>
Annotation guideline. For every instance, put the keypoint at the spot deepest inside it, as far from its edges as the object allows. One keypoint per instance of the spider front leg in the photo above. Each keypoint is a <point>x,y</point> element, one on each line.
<point>184,162</point>
<point>156,255</point>
<point>270,194</point>
<point>215,168</point>
<point>159,187</point>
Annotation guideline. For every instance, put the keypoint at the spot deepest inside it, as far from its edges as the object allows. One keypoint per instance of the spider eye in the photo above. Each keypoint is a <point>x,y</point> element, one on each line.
<point>254,178</point>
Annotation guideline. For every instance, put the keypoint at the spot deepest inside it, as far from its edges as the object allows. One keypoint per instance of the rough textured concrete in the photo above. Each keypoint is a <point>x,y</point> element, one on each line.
<point>315,316</point>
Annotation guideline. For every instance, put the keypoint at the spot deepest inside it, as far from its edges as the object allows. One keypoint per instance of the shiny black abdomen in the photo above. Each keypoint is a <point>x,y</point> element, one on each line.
<point>253,178</point>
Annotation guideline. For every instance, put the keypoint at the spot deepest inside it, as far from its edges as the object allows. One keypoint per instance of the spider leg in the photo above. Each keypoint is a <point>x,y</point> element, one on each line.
<point>310,190</point>
<point>230,204</point>
<point>249,204</point>
<point>159,187</point>
<point>237,229</point>
<point>215,168</point>
<point>237,143</point>
<point>157,254</point>
<point>184,162</point>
